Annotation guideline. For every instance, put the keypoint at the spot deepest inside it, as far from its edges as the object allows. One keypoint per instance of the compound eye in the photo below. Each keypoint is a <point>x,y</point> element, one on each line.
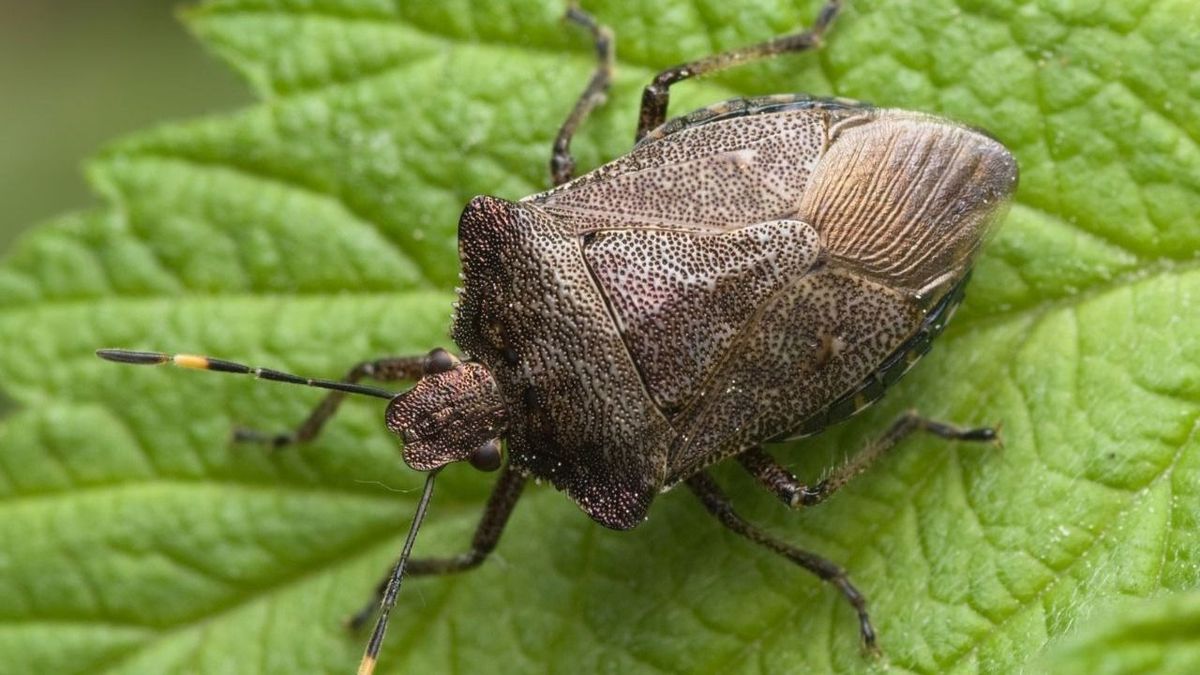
<point>439,361</point>
<point>486,457</point>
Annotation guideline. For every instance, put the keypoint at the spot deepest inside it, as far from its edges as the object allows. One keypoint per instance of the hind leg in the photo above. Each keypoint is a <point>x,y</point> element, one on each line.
<point>771,475</point>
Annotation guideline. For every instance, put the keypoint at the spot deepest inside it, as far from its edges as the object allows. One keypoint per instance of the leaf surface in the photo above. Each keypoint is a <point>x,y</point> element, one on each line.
<point>316,229</point>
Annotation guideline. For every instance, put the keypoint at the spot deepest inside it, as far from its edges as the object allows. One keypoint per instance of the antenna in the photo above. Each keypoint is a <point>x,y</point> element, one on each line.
<point>367,665</point>
<point>388,602</point>
<point>205,363</point>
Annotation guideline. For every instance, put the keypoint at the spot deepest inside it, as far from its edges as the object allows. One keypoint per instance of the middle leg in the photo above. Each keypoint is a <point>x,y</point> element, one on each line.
<point>500,506</point>
<point>657,94</point>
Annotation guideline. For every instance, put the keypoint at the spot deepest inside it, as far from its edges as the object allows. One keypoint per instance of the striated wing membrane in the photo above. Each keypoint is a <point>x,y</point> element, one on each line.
<point>908,199</point>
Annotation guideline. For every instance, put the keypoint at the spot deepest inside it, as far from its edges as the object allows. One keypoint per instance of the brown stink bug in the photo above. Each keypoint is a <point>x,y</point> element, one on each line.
<point>754,271</point>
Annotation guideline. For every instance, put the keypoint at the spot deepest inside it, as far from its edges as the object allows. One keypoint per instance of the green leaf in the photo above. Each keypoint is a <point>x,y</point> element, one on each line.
<point>317,229</point>
<point>1156,636</point>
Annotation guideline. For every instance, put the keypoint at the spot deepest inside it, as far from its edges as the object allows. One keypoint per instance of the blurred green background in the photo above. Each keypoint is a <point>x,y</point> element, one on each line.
<point>77,73</point>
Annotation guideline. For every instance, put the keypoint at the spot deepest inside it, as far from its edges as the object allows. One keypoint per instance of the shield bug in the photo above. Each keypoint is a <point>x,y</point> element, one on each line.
<point>754,271</point>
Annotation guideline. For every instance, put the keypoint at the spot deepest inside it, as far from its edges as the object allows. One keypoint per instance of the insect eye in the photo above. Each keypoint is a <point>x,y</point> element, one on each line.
<point>487,456</point>
<point>439,361</point>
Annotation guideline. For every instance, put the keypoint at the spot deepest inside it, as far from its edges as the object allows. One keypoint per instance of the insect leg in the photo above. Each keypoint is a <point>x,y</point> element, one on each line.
<point>562,164</point>
<point>387,369</point>
<point>657,94</point>
<point>487,534</point>
<point>715,501</point>
<point>771,475</point>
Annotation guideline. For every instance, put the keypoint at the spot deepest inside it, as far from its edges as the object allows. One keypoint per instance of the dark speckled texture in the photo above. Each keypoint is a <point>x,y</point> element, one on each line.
<point>730,279</point>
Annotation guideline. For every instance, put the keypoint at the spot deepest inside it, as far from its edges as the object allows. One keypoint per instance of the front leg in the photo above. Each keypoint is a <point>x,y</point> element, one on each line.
<point>386,369</point>
<point>495,516</point>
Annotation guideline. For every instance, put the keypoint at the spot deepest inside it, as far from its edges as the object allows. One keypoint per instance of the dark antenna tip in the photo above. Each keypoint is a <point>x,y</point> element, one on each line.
<point>195,362</point>
<point>132,357</point>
